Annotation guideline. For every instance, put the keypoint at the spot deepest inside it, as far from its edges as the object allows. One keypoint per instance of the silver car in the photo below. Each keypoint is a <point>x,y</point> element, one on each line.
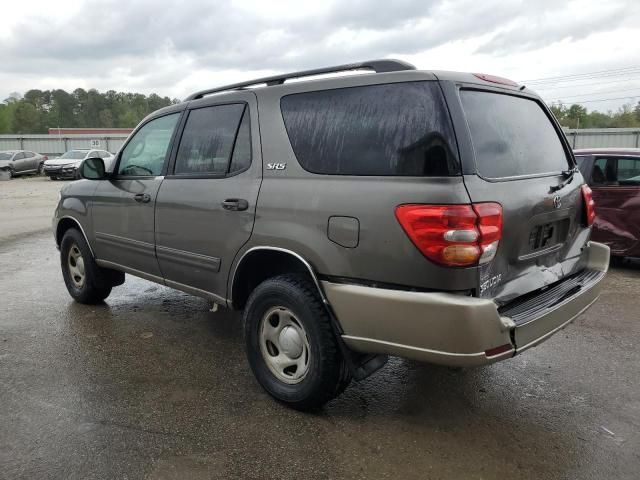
<point>66,166</point>
<point>20,162</point>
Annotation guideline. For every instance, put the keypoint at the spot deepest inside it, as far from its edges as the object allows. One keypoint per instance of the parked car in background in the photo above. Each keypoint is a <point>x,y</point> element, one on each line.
<point>614,177</point>
<point>20,162</point>
<point>67,165</point>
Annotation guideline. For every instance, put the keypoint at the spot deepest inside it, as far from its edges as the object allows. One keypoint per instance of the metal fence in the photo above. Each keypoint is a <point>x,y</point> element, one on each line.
<point>57,145</point>
<point>54,145</point>
<point>604,137</point>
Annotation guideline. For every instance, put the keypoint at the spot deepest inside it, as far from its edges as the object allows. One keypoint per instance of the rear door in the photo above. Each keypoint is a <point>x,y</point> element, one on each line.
<point>615,182</point>
<point>31,162</point>
<point>515,155</point>
<point>123,205</point>
<point>19,162</point>
<point>206,205</point>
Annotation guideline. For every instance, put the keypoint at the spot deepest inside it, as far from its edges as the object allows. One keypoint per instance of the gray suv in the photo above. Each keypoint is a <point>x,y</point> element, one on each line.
<point>436,216</point>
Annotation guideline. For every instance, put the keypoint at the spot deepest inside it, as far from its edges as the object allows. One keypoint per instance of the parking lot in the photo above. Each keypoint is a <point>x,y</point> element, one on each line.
<point>152,384</point>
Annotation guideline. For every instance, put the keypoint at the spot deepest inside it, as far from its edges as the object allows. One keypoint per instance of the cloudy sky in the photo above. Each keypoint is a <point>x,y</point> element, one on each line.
<point>173,48</point>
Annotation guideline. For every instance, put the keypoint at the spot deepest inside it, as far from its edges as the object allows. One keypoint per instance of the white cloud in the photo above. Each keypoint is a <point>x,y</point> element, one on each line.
<point>173,48</point>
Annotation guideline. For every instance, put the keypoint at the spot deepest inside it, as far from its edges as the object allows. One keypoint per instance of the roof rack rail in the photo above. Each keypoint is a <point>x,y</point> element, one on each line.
<point>378,66</point>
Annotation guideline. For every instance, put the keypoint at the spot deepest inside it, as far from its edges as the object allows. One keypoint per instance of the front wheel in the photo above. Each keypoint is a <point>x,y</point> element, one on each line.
<point>290,343</point>
<point>84,279</point>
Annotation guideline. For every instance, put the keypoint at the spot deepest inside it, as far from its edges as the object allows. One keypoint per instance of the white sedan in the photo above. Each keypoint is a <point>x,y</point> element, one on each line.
<point>67,165</point>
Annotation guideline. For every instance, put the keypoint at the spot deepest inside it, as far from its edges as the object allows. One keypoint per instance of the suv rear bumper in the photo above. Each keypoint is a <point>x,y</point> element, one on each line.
<point>451,329</point>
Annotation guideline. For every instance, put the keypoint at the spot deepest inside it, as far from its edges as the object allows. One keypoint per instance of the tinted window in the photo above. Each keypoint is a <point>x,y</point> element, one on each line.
<point>19,156</point>
<point>616,170</point>
<point>512,136</point>
<point>392,129</point>
<point>5,156</point>
<point>146,151</point>
<point>628,170</point>
<point>208,138</point>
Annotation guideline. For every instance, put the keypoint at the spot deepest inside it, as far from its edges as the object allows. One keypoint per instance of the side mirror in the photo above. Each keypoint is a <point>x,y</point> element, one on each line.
<point>93,169</point>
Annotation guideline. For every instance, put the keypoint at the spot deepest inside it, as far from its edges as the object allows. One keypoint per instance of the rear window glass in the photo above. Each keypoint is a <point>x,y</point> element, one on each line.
<point>512,136</point>
<point>398,129</point>
<point>207,141</point>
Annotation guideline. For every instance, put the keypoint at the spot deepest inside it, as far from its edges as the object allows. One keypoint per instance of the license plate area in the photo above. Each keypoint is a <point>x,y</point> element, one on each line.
<point>547,235</point>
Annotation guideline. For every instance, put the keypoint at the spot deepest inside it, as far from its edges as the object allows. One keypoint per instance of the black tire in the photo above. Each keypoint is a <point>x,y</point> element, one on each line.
<point>12,173</point>
<point>96,285</point>
<point>53,178</point>
<point>327,374</point>
<point>40,169</point>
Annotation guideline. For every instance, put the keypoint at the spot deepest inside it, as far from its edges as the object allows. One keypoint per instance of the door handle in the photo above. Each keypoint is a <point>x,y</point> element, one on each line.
<point>142,197</point>
<point>235,204</point>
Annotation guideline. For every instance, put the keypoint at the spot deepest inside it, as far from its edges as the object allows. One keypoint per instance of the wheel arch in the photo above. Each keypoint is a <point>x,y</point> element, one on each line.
<point>259,263</point>
<point>64,224</point>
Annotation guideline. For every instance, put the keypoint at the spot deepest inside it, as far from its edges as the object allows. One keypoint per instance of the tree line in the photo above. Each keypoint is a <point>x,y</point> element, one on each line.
<point>577,116</point>
<point>39,110</point>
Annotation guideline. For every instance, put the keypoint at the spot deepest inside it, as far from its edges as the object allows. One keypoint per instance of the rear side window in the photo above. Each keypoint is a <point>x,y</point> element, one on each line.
<point>512,136</point>
<point>399,129</point>
<point>208,140</point>
<point>625,171</point>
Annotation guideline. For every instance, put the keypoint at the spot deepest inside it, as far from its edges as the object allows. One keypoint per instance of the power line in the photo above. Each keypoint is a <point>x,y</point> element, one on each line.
<point>587,84</point>
<point>601,73</point>
<point>598,100</point>
<point>603,93</point>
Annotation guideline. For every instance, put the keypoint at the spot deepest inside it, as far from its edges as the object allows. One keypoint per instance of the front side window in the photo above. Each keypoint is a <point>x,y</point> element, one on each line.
<point>146,152</point>
<point>512,136</point>
<point>395,129</point>
<point>207,143</point>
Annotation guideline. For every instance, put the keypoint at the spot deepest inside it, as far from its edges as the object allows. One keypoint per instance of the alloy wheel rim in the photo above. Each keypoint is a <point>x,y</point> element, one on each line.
<point>75,264</point>
<point>284,345</point>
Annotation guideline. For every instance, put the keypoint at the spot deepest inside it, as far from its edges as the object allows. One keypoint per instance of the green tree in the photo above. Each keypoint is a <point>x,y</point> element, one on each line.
<point>25,118</point>
<point>40,110</point>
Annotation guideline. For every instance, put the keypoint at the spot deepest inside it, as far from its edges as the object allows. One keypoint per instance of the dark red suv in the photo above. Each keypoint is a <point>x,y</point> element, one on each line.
<point>614,177</point>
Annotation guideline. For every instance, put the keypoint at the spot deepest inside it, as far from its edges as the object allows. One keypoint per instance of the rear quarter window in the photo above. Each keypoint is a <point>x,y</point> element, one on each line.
<point>512,136</point>
<point>399,129</point>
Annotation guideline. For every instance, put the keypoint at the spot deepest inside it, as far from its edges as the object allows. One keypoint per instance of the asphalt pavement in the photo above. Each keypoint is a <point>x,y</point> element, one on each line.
<point>152,384</point>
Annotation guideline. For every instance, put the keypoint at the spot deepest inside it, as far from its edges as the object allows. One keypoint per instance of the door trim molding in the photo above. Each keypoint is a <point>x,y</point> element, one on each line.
<point>189,258</point>
<point>124,242</point>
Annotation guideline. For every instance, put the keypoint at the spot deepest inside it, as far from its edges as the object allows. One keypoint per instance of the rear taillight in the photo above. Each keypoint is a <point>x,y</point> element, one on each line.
<point>454,235</point>
<point>589,205</point>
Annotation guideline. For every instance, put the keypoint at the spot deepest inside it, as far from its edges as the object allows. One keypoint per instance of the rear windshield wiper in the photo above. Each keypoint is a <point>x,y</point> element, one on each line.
<point>567,176</point>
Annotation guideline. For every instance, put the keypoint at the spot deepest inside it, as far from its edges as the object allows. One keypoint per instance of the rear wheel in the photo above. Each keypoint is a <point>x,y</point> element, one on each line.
<point>85,280</point>
<point>40,169</point>
<point>290,342</point>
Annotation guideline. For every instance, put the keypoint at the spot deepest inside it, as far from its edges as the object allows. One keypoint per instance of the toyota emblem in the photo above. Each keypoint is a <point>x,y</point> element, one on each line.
<point>557,203</point>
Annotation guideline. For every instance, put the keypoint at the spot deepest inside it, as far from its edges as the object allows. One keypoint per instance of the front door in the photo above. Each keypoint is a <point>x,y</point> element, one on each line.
<point>123,206</point>
<point>206,205</point>
<point>615,183</point>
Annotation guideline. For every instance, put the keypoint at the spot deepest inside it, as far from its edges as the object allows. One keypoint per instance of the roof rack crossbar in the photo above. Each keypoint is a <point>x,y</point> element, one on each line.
<point>378,66</point>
